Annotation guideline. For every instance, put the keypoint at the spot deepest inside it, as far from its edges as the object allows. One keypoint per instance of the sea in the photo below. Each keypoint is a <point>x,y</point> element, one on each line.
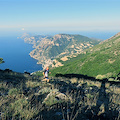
<point>15,52</point>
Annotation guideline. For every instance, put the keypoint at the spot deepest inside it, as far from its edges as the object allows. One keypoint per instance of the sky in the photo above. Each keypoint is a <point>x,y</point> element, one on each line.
<point>17,16</point>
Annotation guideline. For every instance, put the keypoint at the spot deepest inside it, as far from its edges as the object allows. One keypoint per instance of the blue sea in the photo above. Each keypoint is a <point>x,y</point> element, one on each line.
<point>16,55</point>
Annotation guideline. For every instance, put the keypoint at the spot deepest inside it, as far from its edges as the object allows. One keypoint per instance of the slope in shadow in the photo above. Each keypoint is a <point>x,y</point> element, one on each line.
<point>103,99</point>
<point>85,77</point>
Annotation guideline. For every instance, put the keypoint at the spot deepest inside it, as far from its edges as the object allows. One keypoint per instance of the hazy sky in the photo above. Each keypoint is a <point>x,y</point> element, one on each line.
<point>59,15</point>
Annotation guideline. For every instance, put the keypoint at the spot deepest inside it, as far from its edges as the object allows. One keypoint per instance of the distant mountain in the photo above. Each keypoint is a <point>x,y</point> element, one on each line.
<point>100,61</point>
<point>47,48</point>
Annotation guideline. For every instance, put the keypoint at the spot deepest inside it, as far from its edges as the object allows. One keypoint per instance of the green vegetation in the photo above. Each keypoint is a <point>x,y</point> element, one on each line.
<point>100,60</point>
<point>65,43</point>
<point>29,98</point>
<point>1,60</point>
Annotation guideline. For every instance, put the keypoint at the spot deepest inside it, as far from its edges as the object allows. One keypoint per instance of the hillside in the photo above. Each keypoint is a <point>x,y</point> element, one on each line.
<point>47,48</point>
<point>100,61</point>
<point>26,97</point>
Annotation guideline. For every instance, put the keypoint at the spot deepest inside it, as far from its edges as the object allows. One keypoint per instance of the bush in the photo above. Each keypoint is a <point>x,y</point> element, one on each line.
<point>22,109</point>
<point>13,92</point>
<point>1,60</point>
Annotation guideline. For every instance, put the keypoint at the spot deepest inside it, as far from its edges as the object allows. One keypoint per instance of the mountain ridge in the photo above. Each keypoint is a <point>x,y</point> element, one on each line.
<point>100,61</point>
<point>47,48</point>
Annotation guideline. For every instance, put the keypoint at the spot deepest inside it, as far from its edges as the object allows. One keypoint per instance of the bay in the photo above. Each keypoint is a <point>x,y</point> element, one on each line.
<point>16,55</point>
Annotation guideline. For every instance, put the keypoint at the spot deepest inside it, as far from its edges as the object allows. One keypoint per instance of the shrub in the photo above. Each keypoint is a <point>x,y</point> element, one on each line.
<point>22,109</point>
<point>100,76</point>
<point>13,92</point>
<point>32,84</point>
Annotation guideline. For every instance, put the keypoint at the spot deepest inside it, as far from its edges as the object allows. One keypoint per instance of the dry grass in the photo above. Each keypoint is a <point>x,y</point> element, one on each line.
<point>74,80</point>
<point>32,84</point>
<point>94,83</point>
<point>23,101</point>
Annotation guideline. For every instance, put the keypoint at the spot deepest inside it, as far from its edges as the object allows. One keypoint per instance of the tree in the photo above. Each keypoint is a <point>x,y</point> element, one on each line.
<point>1,60</point>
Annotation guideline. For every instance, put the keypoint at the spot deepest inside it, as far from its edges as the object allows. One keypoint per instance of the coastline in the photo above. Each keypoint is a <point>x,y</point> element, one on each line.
<point>47,48</point>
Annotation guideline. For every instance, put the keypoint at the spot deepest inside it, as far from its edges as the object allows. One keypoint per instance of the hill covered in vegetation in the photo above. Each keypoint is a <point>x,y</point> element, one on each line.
<point>100,61</point>
<point>47,48</point>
